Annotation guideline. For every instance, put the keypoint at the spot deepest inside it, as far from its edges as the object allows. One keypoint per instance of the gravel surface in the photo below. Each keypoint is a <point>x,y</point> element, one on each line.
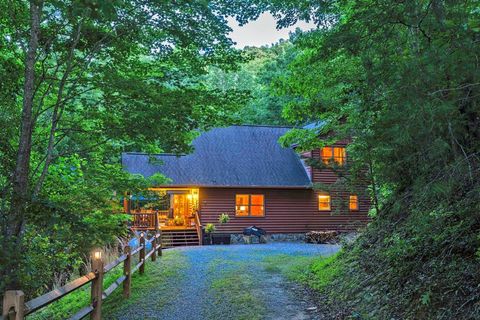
<point>192,297</point>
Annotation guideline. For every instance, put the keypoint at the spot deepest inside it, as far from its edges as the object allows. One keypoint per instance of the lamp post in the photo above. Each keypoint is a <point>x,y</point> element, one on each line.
<point>141,255</point>
<point>97,284</point>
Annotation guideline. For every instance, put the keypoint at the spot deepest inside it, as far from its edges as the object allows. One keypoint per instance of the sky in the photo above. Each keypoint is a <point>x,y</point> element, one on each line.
<point>261,31</point>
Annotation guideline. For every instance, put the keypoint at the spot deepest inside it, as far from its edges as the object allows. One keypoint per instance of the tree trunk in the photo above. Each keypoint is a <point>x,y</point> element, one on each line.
<point>56,111</point>
<point>20,185</point>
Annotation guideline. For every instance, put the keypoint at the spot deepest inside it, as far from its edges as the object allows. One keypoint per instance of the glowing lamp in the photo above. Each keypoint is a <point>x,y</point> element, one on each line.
<point>189,196</point>
<point>97,254</point>
<point>142,234</point>
<point>242,208</point>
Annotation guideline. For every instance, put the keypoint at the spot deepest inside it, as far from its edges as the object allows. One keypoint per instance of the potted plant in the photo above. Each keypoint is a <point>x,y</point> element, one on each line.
<point>223,218</point>
<point>222,238</point>
<point>179,221</point>
<point>209,229</point>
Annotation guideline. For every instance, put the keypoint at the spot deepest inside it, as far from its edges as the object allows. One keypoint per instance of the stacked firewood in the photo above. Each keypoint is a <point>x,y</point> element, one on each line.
<point>321,237</point>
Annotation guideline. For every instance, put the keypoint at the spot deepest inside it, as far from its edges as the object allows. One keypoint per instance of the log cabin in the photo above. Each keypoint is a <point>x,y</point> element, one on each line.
<point>242,171</point>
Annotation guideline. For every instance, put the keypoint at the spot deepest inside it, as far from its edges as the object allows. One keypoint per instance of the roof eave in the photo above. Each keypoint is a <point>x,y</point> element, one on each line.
<point>303,187</point>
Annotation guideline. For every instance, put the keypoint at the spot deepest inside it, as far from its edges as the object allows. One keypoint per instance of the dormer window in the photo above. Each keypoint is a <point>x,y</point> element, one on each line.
<point>337,155</point>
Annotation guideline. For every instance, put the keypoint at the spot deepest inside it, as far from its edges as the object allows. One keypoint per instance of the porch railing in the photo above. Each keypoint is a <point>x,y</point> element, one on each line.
<point>146,221</point>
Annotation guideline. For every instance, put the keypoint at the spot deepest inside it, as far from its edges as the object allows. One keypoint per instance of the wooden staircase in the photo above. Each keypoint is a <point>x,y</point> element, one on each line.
<point>177,238</point>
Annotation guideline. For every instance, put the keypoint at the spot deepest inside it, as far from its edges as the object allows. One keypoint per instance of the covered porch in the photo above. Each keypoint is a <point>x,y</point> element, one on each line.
<point>164,209</point>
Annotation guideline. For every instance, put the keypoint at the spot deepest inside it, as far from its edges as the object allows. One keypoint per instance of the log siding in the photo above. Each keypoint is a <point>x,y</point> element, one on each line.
<point>286,211</point>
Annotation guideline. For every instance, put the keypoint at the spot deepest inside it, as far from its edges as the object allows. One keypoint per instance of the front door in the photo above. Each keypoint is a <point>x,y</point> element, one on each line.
<point>180,209</point>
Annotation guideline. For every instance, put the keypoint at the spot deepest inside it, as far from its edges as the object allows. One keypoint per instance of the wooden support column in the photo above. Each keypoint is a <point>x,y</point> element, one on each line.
<point>141,256</point>
<point>97,285</point>
<point>13,305</point>
<point>127,271</point>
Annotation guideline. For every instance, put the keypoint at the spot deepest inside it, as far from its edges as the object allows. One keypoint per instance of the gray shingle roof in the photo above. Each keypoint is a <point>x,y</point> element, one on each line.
<point>233,156</point>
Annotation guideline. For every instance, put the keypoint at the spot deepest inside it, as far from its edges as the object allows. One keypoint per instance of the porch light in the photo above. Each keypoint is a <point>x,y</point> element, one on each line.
<point>97,254</point>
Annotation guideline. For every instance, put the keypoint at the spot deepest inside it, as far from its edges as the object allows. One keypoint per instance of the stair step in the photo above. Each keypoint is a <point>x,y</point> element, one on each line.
<point>177,233</point>
<point>180,241</point>
<point>182,236</point>
<point>178,238</point>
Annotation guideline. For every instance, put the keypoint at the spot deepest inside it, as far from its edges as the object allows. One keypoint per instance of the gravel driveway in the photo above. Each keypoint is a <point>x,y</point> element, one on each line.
<point>229,282</point>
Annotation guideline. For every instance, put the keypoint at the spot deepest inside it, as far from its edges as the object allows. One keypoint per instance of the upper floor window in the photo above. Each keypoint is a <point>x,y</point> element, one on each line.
<point>324,202</point>
<point>337,155</point>
<point>353,202</point>
<point>249,205</point>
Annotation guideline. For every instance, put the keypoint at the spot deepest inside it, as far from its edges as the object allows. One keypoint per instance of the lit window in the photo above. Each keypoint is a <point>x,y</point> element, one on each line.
<point>326,154</point>
<point>353,203</point>
<point>339,155</point>
<point>324,202</point>
<point>333,154</point>
<point>249,205</point>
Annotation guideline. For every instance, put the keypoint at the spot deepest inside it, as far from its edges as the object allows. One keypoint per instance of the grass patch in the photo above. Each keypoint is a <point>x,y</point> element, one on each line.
<point>235,294</point>
<point>166,268</point>
<point>315,272</point>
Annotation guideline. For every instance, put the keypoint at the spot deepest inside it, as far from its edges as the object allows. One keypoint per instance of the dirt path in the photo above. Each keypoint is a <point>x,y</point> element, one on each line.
<point>226,282</point>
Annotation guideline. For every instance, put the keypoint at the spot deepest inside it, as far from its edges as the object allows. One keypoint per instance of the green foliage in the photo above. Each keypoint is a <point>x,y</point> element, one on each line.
<point>223,218</point>
<point>253,80</point>
<point>314,272</point>
<point>210,227</point>
<point>402,79</point>
<point>110,77</point>
<point>166,271</point>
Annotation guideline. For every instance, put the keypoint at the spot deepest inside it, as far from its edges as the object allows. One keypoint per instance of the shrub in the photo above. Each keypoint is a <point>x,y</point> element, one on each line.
<point>224,218</point>
<point>210,227</point>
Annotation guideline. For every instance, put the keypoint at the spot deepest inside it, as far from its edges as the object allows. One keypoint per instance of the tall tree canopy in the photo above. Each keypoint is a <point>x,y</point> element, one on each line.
<point>83,81</point>
<point>254,79</point>
<point>401,78</point>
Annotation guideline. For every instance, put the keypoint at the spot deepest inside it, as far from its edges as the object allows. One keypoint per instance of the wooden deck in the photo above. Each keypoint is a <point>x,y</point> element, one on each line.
<point>172,235</point>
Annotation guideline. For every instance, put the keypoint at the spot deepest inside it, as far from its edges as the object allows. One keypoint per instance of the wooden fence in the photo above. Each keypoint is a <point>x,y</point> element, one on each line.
<point>15,308</point>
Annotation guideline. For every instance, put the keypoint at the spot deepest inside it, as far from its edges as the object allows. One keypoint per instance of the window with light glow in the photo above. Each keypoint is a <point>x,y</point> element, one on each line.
<point>324,202</point>
<point>353,203</point>
<point>337,155</point>
<point>249,205</point>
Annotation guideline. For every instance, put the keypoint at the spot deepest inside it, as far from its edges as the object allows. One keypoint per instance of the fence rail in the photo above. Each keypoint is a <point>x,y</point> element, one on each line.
<point>15,308</point>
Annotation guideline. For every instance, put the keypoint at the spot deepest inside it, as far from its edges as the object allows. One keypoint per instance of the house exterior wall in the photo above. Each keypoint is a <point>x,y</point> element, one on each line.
<point>286,211</point>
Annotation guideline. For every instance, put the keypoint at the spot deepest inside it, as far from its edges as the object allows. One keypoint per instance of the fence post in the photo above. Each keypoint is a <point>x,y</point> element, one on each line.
<point>154,247</point>
<point>97,285</point>
<point>158,237</point>
<point>13,305</point>
<point>127,271</point>
<point>141,256</point>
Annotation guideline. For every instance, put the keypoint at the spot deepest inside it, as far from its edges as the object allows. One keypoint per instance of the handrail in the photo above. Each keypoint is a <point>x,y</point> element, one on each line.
<point>198,226</point>
<point>13,302</point>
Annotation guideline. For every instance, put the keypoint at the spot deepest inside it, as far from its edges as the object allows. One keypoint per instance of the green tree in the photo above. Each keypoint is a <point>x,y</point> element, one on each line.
<point>402,79</point>
<point>99,78</point>
<point>254,79</point>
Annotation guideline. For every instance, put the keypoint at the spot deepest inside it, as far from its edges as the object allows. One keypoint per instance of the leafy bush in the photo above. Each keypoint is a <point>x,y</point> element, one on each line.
<point>210,227</point>
<point>423,255</point>
<point>223,218</point>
